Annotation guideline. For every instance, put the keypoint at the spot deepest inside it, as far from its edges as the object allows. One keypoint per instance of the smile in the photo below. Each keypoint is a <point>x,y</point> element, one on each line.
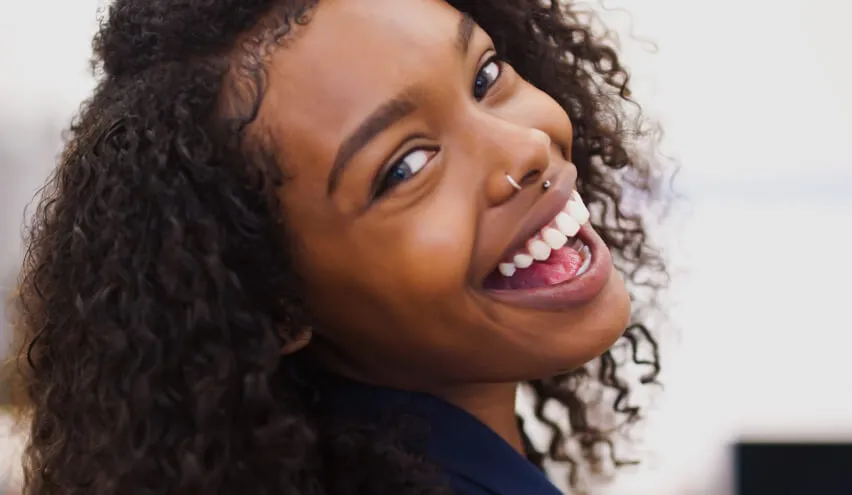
<point>563,263</point>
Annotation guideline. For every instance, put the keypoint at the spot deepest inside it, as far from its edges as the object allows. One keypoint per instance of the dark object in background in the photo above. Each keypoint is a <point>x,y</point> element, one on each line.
<point>793,468</point>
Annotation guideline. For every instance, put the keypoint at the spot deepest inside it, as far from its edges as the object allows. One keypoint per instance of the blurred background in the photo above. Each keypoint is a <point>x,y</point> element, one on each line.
<point>754,98</point>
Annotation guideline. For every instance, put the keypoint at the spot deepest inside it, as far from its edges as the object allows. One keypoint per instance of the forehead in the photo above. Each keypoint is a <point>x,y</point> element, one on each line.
<point>350,58</point>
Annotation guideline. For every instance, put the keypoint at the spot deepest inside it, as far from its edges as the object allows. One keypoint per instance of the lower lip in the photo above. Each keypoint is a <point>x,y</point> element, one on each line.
<point>572,293</point>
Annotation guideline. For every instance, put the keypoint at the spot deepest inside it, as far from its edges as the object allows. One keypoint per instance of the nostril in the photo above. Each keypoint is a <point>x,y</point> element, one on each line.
<point>530,177</point>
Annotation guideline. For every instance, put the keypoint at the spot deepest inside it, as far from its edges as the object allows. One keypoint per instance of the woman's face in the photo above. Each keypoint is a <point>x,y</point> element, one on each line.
<point>398,128</point>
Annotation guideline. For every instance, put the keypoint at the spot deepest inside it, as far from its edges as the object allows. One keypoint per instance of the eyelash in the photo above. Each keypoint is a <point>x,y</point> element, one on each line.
<point>385,184</point>
<point>498,64</point>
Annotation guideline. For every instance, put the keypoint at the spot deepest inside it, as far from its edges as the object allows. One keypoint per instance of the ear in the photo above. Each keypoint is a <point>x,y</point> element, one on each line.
<point>298,342</point>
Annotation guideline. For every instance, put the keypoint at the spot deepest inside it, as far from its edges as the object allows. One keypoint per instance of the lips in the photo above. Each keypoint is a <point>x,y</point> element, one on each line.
<point>552,236</point>
<point>557,260</point>
<point>577,288</point>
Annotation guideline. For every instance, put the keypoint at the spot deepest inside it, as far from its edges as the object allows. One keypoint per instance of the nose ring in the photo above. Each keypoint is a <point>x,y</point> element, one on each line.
<point>513,182</point>
<point>545,185</point>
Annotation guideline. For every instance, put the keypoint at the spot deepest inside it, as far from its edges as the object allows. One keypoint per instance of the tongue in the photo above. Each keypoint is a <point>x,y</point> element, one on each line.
<point>562,265</point>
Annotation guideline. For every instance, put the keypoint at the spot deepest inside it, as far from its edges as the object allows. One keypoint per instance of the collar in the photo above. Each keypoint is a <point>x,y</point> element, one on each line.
<point>476,459</point>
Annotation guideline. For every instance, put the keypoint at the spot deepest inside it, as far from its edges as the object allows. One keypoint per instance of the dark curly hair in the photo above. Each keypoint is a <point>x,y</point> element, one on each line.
<point>157,289</point>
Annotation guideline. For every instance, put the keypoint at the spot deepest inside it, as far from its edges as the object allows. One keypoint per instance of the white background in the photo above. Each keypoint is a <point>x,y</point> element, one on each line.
<point>755,100</point>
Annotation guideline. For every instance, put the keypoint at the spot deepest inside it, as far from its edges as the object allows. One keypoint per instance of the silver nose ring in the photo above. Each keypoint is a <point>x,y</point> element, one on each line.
<point>513,182</point>
<point>545,185</point>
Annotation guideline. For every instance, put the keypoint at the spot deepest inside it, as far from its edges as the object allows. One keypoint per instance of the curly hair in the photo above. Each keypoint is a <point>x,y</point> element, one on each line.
<point>157,288</point>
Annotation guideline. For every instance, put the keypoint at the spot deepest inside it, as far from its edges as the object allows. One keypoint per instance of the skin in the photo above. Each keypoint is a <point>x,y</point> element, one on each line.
<point>395,280</point>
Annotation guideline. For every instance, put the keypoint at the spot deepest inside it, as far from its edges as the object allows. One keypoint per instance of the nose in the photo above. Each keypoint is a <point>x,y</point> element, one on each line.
<point>520,157</point>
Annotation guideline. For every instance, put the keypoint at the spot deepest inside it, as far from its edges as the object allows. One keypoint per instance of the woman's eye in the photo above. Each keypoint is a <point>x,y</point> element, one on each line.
<point>486,77</point>
<point>407,167</point>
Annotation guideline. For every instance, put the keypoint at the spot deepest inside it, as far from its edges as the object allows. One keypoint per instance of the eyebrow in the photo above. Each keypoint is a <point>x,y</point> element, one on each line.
<point>465,33</point>
<point>389,113</point>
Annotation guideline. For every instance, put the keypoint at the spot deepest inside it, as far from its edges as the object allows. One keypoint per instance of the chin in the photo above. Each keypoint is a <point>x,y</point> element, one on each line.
<point>608,319</point>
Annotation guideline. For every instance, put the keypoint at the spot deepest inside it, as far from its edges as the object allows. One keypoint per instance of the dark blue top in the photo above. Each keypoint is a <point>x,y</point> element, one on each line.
<point>476,460</point>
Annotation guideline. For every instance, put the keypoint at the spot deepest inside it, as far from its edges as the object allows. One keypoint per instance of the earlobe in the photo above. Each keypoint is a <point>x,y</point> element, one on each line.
<point>298,342</point>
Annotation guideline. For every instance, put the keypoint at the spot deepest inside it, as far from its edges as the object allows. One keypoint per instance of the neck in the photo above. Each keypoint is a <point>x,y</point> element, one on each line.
<point>493,404</point>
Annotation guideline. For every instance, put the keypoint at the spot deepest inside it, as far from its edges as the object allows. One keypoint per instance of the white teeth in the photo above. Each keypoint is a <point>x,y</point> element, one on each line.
<point>577,209</point>
<point>554,238</point>
<point>567,224</point>
<point>539,249</point>
<point>507,269</point>
<point>587,262</point>
<point>522,260</point>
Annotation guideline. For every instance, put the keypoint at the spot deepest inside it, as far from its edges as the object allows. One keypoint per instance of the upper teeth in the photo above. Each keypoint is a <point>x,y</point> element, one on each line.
<point>522,260</point>
<point>554,238</point>
<point>578,210</point>
<point>567,224</point>
<point>551,237</point>
<point>539,249</point>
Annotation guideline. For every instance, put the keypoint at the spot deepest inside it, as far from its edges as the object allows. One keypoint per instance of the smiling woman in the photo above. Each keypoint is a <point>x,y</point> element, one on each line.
<point>315,247</point>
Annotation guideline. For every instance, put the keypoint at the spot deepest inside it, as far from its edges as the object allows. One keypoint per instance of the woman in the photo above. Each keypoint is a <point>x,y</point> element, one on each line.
<point>314,247</point>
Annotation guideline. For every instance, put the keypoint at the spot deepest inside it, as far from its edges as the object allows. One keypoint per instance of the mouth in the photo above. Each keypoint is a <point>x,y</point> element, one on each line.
<point>561,264</point>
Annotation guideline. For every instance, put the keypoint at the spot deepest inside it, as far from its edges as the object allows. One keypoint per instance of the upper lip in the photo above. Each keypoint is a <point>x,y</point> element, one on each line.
<point>544,211</point>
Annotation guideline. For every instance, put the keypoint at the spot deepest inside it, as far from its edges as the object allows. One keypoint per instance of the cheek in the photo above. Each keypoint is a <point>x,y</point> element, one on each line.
<point>432,253</point>
<point>392,269</point>
<point>535,108</point>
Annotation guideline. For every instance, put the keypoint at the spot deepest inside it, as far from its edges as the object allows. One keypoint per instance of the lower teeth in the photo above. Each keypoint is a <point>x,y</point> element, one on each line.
<point>587,261</point>
<point>576,244</point>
